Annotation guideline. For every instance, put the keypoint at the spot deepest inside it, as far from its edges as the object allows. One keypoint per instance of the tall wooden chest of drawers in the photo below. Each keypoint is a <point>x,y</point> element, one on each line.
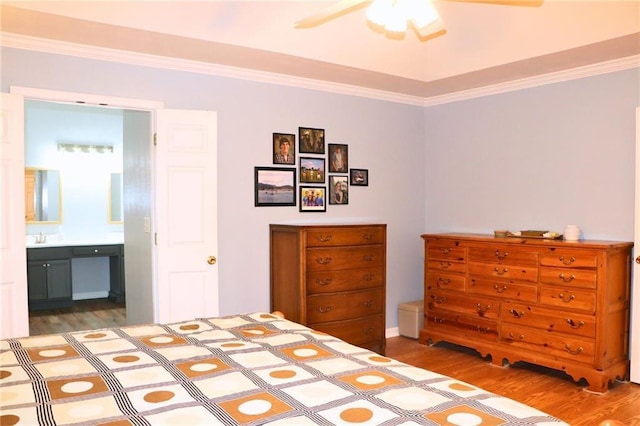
<point>562,305</point>
<point>332,278</point>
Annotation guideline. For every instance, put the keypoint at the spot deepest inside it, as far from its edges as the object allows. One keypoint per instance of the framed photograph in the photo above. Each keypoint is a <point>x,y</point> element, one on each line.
<point>312,170</point>
<point>311,140</point>
<point>275,186</point>
<point>359,177</point>
<point>313,198</point>
<point>338,158</point>
<point>338,190</point>
<point>284,148</point>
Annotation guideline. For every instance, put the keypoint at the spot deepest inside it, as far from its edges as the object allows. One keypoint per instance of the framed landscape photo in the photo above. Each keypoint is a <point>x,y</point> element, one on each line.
<point>338,190</point>
<point>312,170</point>
<point>313,199</point>
<point>275,186</point>
<point>338,158</point>
<point>311,140</point>
<point>359,177</point>
<point>284,148</point>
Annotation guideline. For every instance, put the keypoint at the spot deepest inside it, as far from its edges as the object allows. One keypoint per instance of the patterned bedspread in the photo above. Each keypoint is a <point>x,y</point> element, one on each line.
<point>243,369</point>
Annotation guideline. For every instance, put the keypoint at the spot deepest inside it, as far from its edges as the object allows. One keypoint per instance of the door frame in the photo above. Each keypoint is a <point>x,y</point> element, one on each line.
<point>98,101</point>
<point>634,352</point>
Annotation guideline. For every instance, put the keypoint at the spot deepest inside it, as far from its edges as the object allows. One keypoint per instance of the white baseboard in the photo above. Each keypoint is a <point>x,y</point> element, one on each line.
<point>392,332</point>
<point>91,295</point>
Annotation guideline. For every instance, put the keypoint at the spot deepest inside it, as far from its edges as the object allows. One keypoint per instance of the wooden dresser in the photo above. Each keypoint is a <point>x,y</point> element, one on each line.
<point>332,278</point>
<point>562,305</point>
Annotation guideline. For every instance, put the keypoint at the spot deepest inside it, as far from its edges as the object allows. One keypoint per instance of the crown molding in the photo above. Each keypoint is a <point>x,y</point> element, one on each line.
<point>19,41</point>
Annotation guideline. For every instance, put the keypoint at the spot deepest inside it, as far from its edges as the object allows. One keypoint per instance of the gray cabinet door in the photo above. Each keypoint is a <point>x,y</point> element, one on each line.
<point>59,279</point>
<point>37,280</point>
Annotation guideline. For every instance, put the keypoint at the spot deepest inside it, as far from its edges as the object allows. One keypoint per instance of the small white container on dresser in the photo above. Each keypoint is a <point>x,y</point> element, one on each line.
<point>572,233</point>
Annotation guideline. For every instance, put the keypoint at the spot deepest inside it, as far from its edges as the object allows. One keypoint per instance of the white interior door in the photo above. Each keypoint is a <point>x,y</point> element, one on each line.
<point>186,215</point>
<point>635,290</point>
<point>14,309</point>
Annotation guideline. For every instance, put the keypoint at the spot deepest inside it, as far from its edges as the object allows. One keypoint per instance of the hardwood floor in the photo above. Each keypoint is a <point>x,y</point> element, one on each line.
<point>551,391</point>
<point>84,315</point>
<point>548,390</point>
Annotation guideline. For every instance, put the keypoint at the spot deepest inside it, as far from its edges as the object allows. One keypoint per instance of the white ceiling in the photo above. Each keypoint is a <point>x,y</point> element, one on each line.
<point>484,44</point>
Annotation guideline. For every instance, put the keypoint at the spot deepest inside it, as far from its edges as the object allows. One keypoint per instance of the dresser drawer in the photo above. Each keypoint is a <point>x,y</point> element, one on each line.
<point>332,259</point>
<point>330,237</point>
<point>507,290</point>
<point>574,348</point>
<point>569,258</point>
<point>473,306</point>
<point>347,279</point>
<point>582,278</point>
<point>551,320</point>
<point>357,332</point>
<point>96,251</point>
<point>461,326</point>
<point>340,306</point>
<point>568,298</point>
<point>446,252</point>
<point>440,280</point>
<point>503,255</point>
<point>511,272</point>
<point>446,265</point>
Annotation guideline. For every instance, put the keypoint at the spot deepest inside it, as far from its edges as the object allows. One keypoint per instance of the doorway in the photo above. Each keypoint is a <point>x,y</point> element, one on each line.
<point>84,145</point>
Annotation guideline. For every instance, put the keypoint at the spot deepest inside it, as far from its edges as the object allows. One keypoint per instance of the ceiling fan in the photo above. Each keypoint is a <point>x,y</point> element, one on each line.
<point>393,17</point>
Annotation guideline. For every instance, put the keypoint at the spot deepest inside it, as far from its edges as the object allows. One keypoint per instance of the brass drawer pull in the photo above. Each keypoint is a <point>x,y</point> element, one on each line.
<point>438,299</point>
<point>483,330</point>
<point>566,299</point>
<point>445,250</point>
<point>445,265</point>
<point>328,281</point>
<point>368,331</point>
<point>323,239</point>
<point>500,271</point>
<point>573,351</point>
<point>367,258</point>
<point>481,311</point>
<point>323,260</point>
<point>325,310</point>
<point>573,324</point>
<point>439,320</point>
<point>443,281</point>
<point>567,261</point>
<point>369,303</point>
<point>516,314</point>
<point>499,289</point>
<point>500,256</point>
<point>512,337</point>
<point>567,279</point>
<point>367,277</point>
<point>367,237</point>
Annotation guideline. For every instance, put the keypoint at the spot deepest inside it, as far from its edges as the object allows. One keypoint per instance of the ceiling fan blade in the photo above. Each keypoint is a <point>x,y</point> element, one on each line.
<point>526,3</point>
<point>334,10</point>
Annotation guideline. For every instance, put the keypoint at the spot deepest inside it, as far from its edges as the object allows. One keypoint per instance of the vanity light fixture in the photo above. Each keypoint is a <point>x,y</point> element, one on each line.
<point>87,149</point>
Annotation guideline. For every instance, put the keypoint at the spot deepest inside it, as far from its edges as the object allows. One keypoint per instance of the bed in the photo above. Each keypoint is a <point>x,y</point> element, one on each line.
<point>253,369</point>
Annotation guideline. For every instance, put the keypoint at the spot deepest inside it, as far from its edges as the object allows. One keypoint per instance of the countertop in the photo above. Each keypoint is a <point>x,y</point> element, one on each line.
<point>76,243</point>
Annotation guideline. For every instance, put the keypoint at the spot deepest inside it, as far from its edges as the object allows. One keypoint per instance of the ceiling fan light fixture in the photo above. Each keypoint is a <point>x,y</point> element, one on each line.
<point>394,15</point>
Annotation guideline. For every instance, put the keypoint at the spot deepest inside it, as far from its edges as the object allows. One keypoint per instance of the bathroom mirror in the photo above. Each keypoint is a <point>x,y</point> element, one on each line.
<point>116,210</point>
<point>42,195</point>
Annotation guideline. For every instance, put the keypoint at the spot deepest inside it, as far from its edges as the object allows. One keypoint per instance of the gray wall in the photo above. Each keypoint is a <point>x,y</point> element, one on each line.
<point>386,138</point>
<point>540,158</point>
<point>536,158</point>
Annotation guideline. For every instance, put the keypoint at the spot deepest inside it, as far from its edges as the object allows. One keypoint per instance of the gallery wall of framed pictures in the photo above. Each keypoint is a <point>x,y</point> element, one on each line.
<point>317,175</point>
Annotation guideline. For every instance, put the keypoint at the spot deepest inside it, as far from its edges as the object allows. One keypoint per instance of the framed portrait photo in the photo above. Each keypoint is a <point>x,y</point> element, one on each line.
<point>312,170</point>
<point>311,140</point>
<point>359,177</point>
<point>338,158</point>
<point>275,186</point>
<point>338,190</point>
<point>313,199</point>
<point>284,148</point>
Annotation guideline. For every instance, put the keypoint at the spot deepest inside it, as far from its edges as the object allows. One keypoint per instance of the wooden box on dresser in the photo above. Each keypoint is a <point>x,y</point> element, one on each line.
<point>332,278</point>
<point>559,304</point>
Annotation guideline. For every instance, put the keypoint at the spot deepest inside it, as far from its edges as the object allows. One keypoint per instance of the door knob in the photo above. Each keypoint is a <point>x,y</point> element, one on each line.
<point>211,260</point>
<point>638,260</point>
